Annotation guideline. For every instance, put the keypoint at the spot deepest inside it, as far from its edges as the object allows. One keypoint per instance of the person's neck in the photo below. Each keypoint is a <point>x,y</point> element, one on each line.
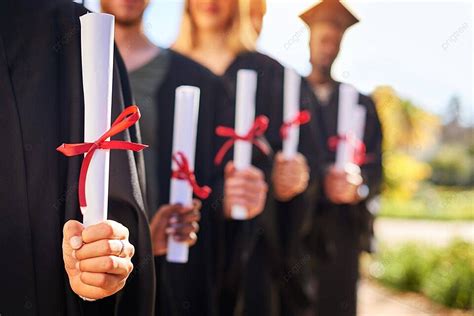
<point>213,52</point>
<point>212,42</point>
<point>317,78</point>
<point>134,46</point>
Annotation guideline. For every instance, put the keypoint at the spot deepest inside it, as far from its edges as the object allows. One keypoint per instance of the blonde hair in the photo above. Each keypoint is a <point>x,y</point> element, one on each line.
<point>241,35</point>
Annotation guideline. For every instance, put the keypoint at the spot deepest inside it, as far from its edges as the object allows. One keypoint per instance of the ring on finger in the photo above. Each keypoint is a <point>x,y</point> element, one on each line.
<point>121,249</point>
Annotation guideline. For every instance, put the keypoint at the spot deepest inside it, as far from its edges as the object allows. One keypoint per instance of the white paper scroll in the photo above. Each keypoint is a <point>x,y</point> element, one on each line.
<point>351,120</point>
<point>244,119</point>
<point>97,51</point>
<point>186,115</point>
<point>291,107</point>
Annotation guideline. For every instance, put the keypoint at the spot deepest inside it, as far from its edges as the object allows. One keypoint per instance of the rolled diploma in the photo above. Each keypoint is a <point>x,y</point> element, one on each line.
<point>186,114</point>
<point>244,119</point>
<point>291,107</point>
<point>359,114</point>
<point>97,39</point>
<point>351,120</point>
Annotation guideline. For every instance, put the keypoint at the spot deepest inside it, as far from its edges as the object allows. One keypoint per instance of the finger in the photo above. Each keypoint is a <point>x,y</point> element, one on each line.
<point>105,230</point>
<point>169,209</point>
<point>229,169</point>
<point>162,216</point>
<point>197,205</point>
<point>241,193</point>
<point>72,231</point>
<point>233,182</point>
<point>183,229</point>
<point>106,247</point>
<point>236,201</point>
<point>245,184</point>
<point>102,280</point>
<point>301,159</point>
<point>192,216</point>
<point>190,238</point>
<point>253,212</point>
<point>184,209</point>
<point>247,199</point>
<point>251,174</point>
<point>340,174</point>
<point>258,206</point>
<point>106,264</point>
<point>279,156</point>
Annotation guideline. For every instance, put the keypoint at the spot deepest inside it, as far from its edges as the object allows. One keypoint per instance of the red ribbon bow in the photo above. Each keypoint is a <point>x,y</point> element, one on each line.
<point>185,173</point>
<point>258,128</point>
<point>300,118</point>
<point>127,118</point>
<point>359,154</point>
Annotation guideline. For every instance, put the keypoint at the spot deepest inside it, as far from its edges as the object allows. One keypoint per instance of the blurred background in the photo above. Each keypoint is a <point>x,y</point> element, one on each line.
<point>416,60</point>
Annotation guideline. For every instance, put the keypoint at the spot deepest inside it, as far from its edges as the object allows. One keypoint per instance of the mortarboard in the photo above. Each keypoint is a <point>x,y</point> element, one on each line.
<point>330,11</point>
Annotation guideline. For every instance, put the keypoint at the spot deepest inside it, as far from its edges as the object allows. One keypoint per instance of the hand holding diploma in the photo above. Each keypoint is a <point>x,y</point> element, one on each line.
<point>343,179</point>
<point>97,254</point>
<point>97,258</point>
<point>246,188</point>
<point>183,180</point>
<point>289,177</point>
<point>350,129</point>
<point>175,221</point>
<point>341,185</point>
<point>290,173</point>
<point>240,174</point>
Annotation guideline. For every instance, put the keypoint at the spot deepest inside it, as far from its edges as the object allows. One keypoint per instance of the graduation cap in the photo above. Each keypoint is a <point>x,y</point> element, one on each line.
<point>330,11</point>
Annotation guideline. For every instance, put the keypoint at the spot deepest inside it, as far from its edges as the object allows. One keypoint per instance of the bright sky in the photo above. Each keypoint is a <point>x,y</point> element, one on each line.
<point>424,48</point>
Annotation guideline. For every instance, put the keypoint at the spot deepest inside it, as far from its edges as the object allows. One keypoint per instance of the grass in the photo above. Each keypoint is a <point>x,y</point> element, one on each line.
<point>445,275</point>
<point>434,203</point>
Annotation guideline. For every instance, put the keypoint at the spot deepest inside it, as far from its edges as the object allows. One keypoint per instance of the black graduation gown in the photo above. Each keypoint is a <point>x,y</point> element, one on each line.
<point>262,251</point>
<point>41,107</point>
<point>191,288</point>
<point>341,232</point>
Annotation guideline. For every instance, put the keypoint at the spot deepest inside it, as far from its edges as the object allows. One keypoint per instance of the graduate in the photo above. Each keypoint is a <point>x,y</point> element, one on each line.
<point>51,263</point>
<point>343,223</point>
<point>221,35</point>
<point>155,73</point>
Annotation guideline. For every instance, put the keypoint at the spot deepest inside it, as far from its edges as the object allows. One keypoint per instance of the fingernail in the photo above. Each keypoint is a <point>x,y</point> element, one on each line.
<point>73,254</point>
<point>173,220</point>
<point>75,242</point>
<point>77,266</point>
<point>170,230</point>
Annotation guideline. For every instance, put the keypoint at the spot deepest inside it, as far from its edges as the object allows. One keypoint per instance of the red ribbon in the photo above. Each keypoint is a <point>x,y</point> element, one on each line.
<point>359,154</point>
<point>301,118</point>
<point>127,118</point>
<point>258,128</point>
<point>184,172</point>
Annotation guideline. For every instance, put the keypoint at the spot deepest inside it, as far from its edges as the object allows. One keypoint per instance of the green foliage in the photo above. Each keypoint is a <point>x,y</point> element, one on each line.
<point>445,275</point>
<point>431,202</point>
<point>453,165</point>
<point>405,268</point>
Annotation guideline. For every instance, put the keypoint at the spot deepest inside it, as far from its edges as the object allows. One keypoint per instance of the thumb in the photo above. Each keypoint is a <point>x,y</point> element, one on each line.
<point>229,169</point>
<point>279,157</point>
<point>72,232</point>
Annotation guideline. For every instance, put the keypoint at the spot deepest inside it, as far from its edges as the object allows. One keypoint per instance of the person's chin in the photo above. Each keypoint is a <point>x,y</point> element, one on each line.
<point>127,20</point>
